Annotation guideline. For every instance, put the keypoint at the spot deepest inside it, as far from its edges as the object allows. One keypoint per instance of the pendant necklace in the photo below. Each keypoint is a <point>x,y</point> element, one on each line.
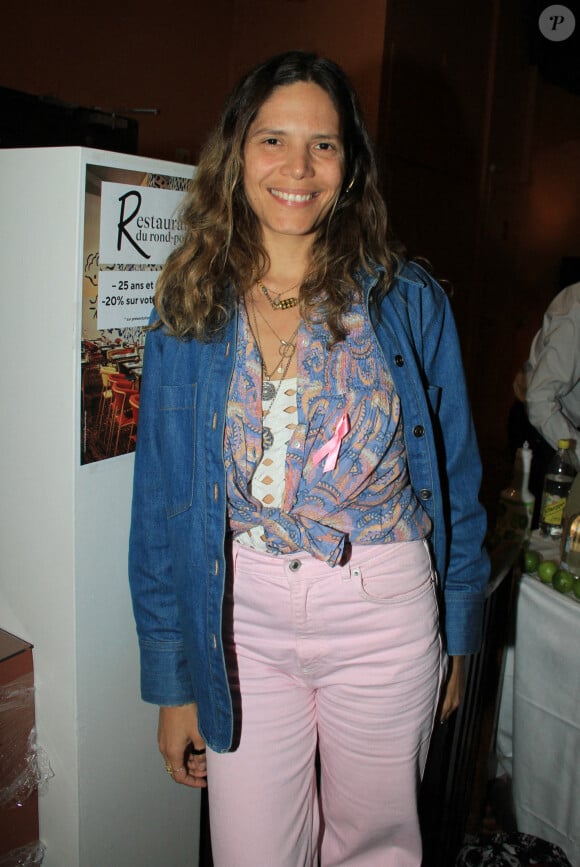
<point>270,388</point>
<point>286,348</point>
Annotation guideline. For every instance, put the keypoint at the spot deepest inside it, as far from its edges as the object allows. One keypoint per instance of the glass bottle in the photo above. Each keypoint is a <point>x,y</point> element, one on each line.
<point>516,502</point>
<point>514,514</point>
<point>557,483</point>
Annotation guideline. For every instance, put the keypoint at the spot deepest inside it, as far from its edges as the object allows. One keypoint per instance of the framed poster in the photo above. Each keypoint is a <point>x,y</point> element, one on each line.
<point>131,224</point>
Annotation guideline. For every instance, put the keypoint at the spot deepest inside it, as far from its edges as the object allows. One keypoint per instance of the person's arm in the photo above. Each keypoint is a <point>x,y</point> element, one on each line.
<point>468,564</point>
<point>454,688</point>
<point>555,373</point>
<point>467,571</point>
<point>165,677</point>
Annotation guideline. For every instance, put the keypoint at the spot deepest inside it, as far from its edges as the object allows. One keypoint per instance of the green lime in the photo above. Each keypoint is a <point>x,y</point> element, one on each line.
<point>546,571</point>
<point>530,561</point>
<point>576,588</point>
<point>563,581</point>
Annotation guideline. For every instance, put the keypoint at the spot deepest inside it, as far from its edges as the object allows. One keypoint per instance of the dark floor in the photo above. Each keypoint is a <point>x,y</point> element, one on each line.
<point>497,813</point>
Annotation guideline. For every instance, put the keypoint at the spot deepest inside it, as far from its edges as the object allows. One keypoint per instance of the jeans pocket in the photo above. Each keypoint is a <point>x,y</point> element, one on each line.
<point>381,588</point>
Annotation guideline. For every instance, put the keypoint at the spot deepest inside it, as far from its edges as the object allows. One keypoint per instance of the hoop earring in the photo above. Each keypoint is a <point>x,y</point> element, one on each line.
<point>350,185</point>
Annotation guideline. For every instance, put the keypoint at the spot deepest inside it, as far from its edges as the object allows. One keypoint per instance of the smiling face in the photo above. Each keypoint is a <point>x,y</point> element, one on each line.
<point>293,162</point>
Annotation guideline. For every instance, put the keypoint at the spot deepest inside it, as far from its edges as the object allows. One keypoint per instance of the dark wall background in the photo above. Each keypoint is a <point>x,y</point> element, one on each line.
<point>476,119</point>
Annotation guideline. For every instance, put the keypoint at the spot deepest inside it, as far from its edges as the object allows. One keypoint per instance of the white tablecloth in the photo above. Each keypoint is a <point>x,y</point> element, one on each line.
<point>538,732</point>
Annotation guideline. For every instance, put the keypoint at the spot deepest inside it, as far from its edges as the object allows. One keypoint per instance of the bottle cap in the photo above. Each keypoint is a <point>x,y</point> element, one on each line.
<point>525,455</point>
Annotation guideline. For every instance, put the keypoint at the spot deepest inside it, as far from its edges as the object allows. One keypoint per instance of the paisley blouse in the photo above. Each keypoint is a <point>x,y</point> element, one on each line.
<point>345,396</point>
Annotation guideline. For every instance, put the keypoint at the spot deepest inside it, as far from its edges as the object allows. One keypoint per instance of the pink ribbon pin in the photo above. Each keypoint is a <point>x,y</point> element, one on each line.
<point>332,447</point>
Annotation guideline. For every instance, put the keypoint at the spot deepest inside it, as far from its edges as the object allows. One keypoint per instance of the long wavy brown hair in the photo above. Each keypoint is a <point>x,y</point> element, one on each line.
<point>222,253</point>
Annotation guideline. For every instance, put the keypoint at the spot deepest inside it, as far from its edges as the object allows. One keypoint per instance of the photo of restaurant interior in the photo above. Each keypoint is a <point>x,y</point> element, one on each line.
<point>111,374</point>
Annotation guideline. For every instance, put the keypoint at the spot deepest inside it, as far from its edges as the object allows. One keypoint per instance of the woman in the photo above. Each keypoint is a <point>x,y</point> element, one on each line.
<point>306,472</point>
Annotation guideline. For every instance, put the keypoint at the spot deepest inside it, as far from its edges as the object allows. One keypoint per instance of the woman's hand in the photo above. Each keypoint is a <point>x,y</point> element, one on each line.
<point>182,746</point>
<point>454,688</point>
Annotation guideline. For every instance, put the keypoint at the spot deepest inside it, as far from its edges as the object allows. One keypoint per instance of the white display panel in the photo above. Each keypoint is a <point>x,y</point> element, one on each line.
<point>64,530</point>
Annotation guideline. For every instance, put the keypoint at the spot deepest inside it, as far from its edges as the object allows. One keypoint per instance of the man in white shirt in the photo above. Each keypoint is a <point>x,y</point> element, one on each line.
<point>547,389</point>
<point>550,385</point>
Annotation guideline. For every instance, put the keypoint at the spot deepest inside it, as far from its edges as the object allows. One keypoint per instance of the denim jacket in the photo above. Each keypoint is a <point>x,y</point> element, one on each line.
<point>177,556</point>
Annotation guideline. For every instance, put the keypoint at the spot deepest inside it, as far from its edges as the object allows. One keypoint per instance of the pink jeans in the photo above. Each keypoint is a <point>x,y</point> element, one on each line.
<point>348,659</point>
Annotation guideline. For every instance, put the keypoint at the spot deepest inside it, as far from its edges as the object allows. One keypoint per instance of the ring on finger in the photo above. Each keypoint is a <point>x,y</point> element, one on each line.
<point>171,771</point>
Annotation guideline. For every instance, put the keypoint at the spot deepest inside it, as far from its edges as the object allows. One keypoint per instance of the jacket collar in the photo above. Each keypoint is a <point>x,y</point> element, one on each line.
<point>406,271</point>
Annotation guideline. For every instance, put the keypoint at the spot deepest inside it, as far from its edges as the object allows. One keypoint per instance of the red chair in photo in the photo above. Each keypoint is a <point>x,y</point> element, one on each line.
<point>121,414</point>
<point>113,378</point>
<point>134,404</point>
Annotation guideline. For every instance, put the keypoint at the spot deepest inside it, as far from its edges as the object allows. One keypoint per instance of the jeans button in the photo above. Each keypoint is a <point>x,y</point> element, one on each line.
<point>294,565</point>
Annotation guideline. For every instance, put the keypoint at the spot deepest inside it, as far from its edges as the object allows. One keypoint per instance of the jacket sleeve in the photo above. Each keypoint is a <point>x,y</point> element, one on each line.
<point>466,571</point>
<point>165,678</point>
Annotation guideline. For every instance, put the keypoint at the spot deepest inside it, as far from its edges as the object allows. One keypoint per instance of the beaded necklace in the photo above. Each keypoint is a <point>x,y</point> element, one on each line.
<point>278,303</point>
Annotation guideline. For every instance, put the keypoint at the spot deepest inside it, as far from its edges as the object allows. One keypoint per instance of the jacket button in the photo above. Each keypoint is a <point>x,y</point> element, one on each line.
<point>418,430</point>
<point>399,360</point>
<point>425,494</point>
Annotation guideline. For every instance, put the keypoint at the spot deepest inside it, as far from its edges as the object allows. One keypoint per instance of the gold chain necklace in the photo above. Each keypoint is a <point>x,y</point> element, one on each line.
<point>277,303</point>
<point>286,349</point>
<point>270,391</point>
<point>286,346</point>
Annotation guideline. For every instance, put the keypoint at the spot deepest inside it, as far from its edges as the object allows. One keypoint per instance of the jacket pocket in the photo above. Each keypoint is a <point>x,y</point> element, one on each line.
<point>177,411</point>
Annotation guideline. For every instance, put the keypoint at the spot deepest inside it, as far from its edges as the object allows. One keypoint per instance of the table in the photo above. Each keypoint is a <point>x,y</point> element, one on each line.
<point>538,730</point>
<point>133,370</point>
